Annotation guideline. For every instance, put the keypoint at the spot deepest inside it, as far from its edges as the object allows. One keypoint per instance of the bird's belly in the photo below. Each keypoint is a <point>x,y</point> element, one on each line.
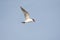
<point>28,20</point>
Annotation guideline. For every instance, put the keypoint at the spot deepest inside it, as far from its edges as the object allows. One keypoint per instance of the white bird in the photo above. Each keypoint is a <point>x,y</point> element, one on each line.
<point>27,16</point>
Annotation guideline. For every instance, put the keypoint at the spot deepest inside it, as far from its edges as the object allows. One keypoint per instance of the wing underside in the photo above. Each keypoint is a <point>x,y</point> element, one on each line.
<point>26,14</point>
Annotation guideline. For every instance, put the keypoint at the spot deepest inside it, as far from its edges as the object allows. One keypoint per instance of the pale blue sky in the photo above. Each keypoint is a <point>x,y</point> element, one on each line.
<point>46,13</point>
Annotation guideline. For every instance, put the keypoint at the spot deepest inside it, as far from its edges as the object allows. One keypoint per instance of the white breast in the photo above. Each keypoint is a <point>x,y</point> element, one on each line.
<point>28,20</point>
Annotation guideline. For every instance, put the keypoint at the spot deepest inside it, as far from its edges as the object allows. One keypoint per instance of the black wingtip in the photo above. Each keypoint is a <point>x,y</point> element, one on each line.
<point>23,22</point>
<point>21,7</point>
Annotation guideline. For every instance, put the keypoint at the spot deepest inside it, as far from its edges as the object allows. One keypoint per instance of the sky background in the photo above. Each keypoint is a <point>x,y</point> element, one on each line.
<point>45,12</point>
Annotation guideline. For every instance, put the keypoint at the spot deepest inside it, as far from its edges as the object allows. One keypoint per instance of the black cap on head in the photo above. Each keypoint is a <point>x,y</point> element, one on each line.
<point>33,20</point>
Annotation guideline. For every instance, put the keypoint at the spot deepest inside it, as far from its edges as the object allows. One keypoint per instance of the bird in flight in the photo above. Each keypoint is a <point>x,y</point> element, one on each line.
<point>27,16</point>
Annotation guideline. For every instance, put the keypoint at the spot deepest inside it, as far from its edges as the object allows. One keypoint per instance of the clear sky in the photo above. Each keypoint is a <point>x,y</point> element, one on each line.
<point>45,12</point>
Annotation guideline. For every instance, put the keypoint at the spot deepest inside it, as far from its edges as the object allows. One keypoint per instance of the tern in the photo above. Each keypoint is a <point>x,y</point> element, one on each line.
<point>27,16</point>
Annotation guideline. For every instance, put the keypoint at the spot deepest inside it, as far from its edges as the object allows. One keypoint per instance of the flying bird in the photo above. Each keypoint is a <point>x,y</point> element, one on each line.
<point>27,16</point>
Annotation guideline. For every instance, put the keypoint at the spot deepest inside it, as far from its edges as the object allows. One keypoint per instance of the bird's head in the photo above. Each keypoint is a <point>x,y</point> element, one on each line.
<point>33,20</point>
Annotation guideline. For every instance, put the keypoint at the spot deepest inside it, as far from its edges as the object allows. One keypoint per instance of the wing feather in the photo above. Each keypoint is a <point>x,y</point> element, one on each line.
<point>26,14</point>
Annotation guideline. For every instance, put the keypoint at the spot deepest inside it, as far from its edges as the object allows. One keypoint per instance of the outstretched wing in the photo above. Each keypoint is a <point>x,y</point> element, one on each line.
<point>26,14</point>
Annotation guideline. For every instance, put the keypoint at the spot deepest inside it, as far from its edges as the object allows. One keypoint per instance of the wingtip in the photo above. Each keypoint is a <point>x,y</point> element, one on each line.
<point>20,6</point>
